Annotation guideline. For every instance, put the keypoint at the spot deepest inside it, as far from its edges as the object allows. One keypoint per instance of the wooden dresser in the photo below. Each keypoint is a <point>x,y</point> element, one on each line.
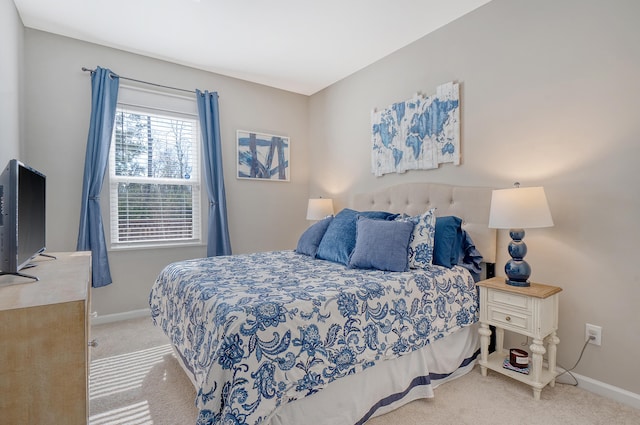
<point>44,332</point>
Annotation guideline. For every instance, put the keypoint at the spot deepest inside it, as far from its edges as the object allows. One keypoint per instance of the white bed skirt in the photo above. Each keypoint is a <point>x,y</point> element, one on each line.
<point>384,387</point>
<point>387,385</point>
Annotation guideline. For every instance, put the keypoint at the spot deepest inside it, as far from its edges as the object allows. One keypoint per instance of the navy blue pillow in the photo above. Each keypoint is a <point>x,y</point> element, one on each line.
<point>310,238</point>
<point>469,256</point>
<point>381,245</point>
<point>340,238</point>
<point>448,241</point>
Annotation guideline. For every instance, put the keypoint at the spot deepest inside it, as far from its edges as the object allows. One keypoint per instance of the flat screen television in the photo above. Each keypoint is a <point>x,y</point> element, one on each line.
<point>22,217</point>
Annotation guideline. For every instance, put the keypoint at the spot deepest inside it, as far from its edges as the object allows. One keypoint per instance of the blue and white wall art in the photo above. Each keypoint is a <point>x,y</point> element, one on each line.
<point>263,156</point>
<point>417,134</point>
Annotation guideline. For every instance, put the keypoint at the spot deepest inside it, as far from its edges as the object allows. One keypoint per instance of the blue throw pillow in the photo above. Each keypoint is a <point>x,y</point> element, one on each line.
<point>340,238</point>
<point>381,245</point>
<point>310,238</point>
<point>447,241</point>
<point>469,256</point>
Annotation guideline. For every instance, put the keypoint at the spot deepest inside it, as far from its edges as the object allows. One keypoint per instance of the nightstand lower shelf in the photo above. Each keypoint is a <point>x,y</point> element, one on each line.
<point>495,363</point>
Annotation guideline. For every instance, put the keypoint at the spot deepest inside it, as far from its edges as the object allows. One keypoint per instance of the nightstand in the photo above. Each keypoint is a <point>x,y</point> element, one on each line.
<point>531,311</point>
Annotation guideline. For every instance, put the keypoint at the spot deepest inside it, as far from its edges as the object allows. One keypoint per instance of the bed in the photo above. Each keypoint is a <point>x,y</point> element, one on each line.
<point>284,338</point>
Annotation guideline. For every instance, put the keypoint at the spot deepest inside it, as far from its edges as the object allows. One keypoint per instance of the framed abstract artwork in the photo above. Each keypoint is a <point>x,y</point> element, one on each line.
<point>262,156</point>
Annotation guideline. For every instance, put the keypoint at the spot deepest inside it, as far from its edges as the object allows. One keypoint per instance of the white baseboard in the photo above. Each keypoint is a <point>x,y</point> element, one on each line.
<point>116,317</point>
<point>609,391</point>
<point>604,389</point>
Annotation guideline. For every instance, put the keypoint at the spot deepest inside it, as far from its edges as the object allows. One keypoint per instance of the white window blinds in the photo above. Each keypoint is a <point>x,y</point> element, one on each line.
<point>154,178</point>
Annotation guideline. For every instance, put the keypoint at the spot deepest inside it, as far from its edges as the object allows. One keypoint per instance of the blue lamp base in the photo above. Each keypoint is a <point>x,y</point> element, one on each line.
<point>517,269</point>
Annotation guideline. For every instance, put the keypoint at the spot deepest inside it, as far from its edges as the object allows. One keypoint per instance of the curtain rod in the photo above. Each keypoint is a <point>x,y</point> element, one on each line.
<point>141,81</point>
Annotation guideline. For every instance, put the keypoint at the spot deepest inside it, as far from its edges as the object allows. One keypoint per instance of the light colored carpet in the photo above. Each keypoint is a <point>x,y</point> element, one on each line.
<point>135,379</point>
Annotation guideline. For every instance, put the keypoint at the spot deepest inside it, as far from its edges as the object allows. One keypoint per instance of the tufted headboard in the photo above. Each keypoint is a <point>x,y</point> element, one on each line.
<point>471,204</point>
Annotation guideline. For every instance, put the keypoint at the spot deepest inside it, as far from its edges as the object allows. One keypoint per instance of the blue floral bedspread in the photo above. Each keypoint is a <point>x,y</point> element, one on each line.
<point>260,330</point>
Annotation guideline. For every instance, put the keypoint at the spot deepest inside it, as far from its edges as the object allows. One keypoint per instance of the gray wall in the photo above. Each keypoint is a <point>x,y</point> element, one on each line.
<point>11,47</point>
<point>262,215</point>
<point>550,96</point>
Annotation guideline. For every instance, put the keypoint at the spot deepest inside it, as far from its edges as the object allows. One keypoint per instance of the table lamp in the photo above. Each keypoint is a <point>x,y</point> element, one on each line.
<point>319,208</point>
<point>516,209</point>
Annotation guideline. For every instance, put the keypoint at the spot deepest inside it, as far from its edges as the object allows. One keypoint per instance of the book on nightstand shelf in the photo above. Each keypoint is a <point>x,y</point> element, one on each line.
<point>507,365</point>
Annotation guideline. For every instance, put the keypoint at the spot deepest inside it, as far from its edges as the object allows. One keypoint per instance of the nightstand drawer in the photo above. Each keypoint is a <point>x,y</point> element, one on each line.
<point>510,299</point>
<point>508,319</point>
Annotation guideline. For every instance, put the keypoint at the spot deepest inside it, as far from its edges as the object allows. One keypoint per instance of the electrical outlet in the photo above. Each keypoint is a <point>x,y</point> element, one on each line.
<point>594,334</point>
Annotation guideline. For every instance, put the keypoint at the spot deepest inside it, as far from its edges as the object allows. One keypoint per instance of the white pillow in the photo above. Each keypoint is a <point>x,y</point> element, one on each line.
<point>422,239</point>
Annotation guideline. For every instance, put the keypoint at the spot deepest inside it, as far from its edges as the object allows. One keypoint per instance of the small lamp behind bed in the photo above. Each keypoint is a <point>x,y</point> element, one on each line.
<point>319,208</point>
<point>516,209</point>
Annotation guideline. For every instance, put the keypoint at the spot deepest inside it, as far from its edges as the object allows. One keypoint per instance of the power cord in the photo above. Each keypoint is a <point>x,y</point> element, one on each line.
<point>591,338</point>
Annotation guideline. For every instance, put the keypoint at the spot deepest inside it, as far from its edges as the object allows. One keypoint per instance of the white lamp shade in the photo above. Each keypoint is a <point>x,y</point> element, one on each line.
<point>319,208</point>
<point>519,208</point>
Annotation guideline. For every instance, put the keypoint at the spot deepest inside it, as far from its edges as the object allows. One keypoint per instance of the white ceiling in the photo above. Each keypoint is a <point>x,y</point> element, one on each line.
<point>298,45</point>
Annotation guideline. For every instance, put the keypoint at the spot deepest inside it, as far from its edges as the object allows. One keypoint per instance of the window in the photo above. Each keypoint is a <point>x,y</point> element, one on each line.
<point>154,178</point>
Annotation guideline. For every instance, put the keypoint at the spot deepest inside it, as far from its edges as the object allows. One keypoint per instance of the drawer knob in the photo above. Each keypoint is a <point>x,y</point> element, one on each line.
<point>93,343</point>
<point>508,318</point>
